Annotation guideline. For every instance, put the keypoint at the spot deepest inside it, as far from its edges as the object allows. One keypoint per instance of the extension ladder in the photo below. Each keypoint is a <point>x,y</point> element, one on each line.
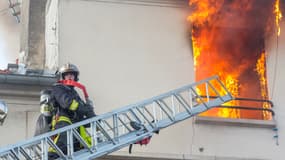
<point>112,131</point>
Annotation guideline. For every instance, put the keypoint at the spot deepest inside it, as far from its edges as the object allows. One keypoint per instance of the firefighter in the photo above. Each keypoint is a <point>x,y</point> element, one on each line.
<point>70,107</point>
<point>43,124</point>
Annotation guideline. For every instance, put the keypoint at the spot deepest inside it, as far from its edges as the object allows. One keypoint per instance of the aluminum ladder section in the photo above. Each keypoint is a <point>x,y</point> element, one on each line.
<point>112,131</point>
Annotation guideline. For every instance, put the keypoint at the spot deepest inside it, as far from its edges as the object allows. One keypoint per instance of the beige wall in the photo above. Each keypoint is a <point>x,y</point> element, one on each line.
<point>127,53</point>
<point>23,109</point>
<point>124,52</point>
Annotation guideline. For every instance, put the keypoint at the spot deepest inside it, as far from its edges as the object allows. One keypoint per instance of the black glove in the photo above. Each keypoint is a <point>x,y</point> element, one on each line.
<point>89,103</point>
<point>90,112</point>
<point>86,110</point>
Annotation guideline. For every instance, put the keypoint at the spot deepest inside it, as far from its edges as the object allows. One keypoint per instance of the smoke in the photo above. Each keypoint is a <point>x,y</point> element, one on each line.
<point>9,35</point>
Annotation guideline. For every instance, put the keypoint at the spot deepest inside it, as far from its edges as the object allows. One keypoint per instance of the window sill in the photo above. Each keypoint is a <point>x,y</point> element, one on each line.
<point>235,122</point>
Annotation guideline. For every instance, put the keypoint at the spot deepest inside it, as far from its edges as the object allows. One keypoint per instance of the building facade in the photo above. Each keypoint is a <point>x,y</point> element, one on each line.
<point>128,51</point>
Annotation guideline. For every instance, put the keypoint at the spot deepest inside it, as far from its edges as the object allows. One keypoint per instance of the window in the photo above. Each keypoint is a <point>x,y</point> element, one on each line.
<point>228,39</point>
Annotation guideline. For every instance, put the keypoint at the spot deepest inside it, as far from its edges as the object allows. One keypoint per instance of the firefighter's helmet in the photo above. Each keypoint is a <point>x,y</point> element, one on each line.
<point>46,103</point>
<point>69,68</point>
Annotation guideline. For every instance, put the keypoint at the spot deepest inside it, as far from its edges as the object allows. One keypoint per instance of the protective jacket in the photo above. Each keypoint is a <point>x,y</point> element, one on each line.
<point>67,101</point>
<point>70,109</point>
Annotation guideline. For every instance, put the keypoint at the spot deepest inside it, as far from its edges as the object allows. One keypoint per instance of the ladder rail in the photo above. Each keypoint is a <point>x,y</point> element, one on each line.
<point>110,133</point>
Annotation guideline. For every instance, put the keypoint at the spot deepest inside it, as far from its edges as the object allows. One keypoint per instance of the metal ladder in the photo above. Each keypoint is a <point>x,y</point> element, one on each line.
<point>112,131</point>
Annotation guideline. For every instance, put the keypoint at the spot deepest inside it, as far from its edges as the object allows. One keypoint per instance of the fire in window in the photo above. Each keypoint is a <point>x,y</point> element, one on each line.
<point>229,40</point>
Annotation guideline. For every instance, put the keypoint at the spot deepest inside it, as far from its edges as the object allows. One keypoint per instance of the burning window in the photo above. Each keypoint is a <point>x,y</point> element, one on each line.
<point>228,39</point>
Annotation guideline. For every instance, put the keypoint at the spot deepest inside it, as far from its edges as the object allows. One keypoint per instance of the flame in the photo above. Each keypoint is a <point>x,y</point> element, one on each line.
<point>232,85</point>
<point>205,10</point>
<point>278,16</point>
<point>196,51</point>
<point>260,69</point>
<point>228,41</point>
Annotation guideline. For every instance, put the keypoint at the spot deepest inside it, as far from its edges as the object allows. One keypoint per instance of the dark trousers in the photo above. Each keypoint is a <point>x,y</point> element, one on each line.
<point>61,141</point>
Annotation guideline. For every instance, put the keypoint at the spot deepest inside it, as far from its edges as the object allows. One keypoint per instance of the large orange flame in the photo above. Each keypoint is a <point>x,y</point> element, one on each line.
<point>228,39</point>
